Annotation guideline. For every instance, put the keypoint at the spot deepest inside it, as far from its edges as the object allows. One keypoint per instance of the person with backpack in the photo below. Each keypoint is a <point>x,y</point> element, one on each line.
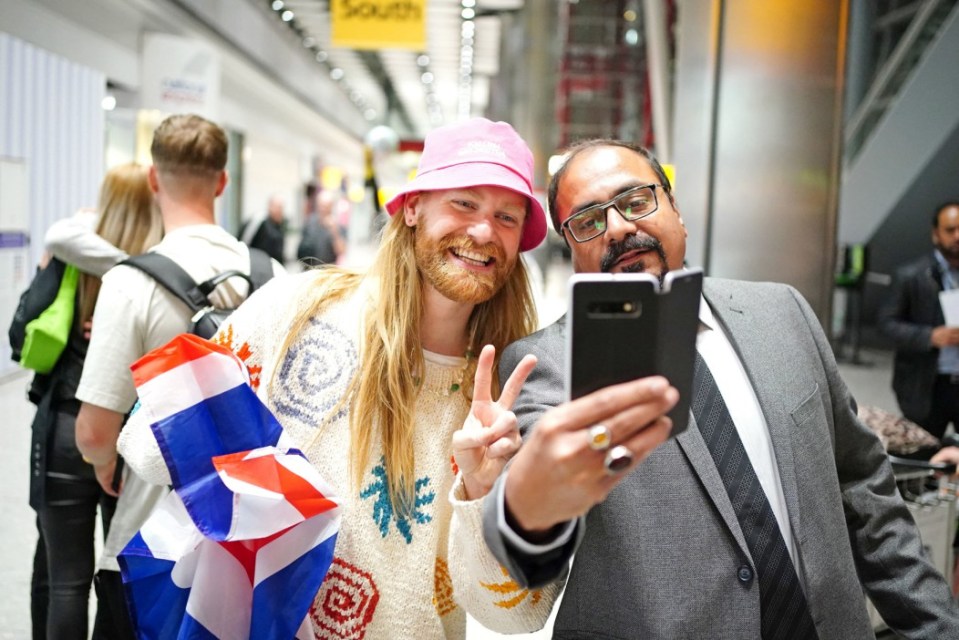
<point>135,314</point>
<point>63,488</point>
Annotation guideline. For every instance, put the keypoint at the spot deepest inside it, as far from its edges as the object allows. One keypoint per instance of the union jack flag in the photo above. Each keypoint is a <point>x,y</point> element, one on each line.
<point>240,547</point>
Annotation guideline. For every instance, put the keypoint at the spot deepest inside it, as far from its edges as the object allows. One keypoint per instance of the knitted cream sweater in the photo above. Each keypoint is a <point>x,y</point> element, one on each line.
<point>392,576</point>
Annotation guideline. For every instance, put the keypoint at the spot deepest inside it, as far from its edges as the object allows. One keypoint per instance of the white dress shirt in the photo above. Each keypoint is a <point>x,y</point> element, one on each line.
<point>740,398</point>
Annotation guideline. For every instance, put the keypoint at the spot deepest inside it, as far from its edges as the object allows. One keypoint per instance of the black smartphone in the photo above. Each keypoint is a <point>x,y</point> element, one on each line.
<point>625,326</point>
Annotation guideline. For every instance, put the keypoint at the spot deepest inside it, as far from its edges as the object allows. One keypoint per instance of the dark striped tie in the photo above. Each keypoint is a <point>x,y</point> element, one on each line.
<point>784,614</point>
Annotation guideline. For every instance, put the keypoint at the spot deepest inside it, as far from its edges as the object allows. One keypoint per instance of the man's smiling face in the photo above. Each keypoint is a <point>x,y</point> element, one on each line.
<point>467,240</point>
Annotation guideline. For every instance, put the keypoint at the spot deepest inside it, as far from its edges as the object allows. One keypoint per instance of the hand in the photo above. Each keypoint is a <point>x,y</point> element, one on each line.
<point>87,329</point>
<point>945,337</point>
<point>490,435</point>
<point>949,455</point>
<point>104,473</point>
<point>556,476</point>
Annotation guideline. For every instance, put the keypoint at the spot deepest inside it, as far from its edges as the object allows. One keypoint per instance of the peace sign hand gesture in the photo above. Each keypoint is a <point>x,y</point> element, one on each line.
<point>490,435</point>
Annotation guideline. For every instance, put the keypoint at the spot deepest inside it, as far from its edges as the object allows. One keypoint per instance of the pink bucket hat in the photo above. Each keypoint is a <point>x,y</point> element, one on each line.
<point>477,153</point>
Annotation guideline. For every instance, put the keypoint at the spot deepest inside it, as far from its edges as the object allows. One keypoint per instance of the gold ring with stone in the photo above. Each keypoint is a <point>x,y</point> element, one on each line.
<point>618,459</point>
<point>600,437</point>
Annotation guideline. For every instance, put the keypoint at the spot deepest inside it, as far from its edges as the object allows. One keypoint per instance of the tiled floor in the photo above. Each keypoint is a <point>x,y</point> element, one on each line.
<point>870,384</point>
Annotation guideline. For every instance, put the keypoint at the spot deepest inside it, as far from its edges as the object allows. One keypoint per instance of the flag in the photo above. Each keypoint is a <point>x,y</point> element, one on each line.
<point>241,546</point>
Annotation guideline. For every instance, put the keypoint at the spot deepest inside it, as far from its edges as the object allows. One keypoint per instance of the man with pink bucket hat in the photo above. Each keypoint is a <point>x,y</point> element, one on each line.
<point>375,378</point>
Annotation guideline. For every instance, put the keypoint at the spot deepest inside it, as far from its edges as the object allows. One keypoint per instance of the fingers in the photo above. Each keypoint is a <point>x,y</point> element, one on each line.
<point>468,437</point>
<point>626,424</point>
<point>105,478</point>
<point>505,447</point>
<point>516,381</point>
<point>484,375</point>
<point>623,408</point>
<point>641,444</point>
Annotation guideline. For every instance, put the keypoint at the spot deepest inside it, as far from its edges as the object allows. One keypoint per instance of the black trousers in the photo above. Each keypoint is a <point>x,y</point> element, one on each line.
<point>113,618</point>
<point>64,559</point>
<point>945,406</point>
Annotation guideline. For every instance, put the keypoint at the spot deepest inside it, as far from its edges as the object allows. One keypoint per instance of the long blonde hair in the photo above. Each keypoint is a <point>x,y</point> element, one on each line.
<point>129,220</point>
<point>382,394</point>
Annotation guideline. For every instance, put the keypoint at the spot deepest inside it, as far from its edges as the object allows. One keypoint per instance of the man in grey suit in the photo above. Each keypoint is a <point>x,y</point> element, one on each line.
<point>671,538</point>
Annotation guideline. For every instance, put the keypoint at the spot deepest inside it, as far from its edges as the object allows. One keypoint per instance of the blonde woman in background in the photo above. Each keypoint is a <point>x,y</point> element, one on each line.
<point>63,488</point>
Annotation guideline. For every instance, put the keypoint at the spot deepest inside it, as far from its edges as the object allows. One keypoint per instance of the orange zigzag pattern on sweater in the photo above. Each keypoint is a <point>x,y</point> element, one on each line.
<point>225,339</point>
<point>516,594</point>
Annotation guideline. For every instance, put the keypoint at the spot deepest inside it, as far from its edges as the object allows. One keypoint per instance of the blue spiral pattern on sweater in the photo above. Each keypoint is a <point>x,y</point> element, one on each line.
<point>314,374</point>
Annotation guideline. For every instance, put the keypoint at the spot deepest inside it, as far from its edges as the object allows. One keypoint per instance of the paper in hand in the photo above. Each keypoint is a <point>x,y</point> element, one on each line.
<point>950,306</point>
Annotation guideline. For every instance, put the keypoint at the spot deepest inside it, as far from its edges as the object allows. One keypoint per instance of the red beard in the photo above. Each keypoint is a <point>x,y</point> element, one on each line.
<point>454,280</point>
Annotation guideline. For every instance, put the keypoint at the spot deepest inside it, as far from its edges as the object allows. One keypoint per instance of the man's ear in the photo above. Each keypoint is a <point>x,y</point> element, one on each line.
<point>152,179</point>
<point>411,209</point>
<point>679,215</point>
<point>221,183</point>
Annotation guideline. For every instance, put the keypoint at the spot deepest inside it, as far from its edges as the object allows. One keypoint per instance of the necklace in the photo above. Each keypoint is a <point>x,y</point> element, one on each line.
<point>458,383</point>
<point>467,355</point>
<point>458,378</point>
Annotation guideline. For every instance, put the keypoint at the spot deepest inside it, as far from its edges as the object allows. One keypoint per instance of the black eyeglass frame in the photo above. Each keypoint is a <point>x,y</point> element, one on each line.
<point>604,207</point>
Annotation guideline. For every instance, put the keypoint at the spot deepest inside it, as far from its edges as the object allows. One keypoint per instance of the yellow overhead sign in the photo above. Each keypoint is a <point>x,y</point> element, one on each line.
<point>378,24</point>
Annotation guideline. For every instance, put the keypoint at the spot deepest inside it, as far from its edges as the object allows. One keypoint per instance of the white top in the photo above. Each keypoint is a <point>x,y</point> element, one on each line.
<point>74,240</point>
<point>392,576</point>
<point>134,315</point>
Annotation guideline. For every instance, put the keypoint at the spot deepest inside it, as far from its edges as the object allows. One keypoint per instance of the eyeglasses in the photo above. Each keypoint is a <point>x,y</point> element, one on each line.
<point>632,204</point>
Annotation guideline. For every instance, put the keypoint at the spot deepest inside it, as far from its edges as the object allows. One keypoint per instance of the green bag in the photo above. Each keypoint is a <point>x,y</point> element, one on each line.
<point>46,335</point>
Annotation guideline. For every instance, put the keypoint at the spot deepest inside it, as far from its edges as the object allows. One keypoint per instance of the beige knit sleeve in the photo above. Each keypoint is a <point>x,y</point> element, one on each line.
<point>481,585</point>
<point>140,450</point>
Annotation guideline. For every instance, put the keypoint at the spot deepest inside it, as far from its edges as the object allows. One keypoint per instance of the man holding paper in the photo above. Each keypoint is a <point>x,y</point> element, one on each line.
<point>921,315</point>
<point>768,517</point>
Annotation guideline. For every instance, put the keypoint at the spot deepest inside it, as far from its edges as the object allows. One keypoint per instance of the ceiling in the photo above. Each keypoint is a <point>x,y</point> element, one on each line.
<point>411,91</point>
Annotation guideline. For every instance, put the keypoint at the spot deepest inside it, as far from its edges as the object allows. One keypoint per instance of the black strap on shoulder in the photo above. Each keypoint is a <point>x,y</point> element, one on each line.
<point>176,280</point>
<point>171,276</point>
<point>261,268</point>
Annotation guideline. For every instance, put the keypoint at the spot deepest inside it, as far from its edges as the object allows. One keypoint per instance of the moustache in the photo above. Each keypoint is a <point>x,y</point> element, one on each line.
<point>464,243</point>
<point>630,243</point>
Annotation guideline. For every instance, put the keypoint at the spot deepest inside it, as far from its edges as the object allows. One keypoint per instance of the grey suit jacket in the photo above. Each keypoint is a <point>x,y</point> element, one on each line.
<point>659,557</point>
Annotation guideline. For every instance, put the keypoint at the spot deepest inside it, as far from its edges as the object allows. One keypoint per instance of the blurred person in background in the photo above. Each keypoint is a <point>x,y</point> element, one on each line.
<point>267,232</point>
<point>63,487</point>
<point>322,241</point>
<point>926,368</point>
<point>344,209</point>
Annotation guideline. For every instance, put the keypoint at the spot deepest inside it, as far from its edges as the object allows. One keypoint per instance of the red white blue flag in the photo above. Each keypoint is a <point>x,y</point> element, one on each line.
<point>240,547</point>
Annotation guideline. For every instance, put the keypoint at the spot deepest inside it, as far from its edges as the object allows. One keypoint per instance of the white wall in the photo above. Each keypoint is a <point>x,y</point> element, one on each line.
<point>50,116</point>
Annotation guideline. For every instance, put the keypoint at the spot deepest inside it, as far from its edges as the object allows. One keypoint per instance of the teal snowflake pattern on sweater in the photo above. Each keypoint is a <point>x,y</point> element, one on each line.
<point>384,511</point>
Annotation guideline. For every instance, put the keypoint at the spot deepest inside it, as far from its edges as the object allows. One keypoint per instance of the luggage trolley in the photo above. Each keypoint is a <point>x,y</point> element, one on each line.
<point>932,503</point>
